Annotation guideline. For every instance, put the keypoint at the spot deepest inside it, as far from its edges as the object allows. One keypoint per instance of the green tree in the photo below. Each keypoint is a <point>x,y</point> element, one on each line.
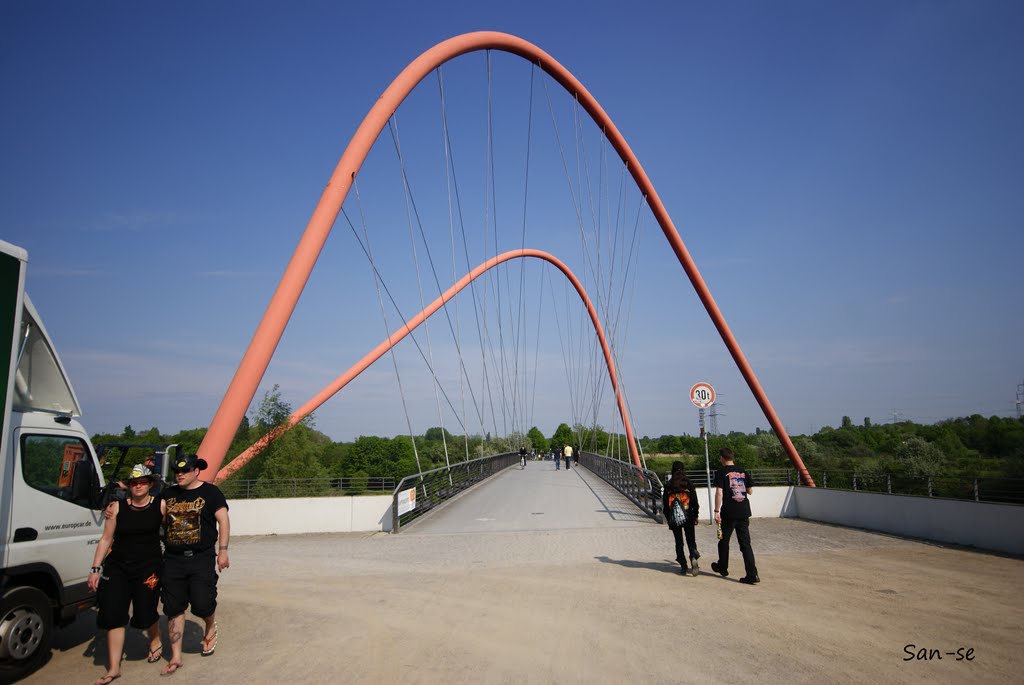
<point>769,449</point>
<point>919,458</point>
<point>562,437</point>
<point>537,439</point>
<point>272,410</point>
<point>669,444</point>
<point>438,433</point>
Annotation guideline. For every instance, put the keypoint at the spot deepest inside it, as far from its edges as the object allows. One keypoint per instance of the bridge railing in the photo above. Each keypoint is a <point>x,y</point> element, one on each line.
<point>642,487</point>
<point>304,487</point>
<point>1005,490</point>
<point>434,488</point>
<point>761,477</point>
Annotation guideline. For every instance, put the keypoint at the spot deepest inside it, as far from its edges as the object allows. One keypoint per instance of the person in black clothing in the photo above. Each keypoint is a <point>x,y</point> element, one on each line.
<point>130,573</point>
<point>733,513</point>
<point>522,457</point>
<point>680,488</point>
<point>196,548</point>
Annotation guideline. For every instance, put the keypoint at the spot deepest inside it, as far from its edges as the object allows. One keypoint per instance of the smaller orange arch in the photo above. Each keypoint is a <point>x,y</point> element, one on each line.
<point>407,328</point>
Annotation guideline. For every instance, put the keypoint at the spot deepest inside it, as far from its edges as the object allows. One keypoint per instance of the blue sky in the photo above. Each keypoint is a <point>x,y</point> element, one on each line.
<point>847,177</point>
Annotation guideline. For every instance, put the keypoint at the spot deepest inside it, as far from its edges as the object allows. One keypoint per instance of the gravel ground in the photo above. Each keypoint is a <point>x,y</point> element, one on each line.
<point>586,600</point>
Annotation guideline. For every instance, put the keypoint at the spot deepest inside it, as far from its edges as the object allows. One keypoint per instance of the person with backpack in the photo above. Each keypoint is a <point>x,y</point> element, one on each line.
<point>682,509</point>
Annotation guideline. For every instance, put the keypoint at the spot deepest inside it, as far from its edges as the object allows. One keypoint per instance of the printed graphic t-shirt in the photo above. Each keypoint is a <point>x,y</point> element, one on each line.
<point>734,482</point>
<point>191,525</point>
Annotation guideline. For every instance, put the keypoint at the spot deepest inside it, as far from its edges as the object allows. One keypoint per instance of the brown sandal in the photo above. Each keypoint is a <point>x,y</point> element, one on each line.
<point>172,667</point>
<point>210,643</point>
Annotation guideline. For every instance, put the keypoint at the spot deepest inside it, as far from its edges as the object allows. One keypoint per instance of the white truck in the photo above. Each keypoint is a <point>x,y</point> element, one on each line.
<point>50,491</point>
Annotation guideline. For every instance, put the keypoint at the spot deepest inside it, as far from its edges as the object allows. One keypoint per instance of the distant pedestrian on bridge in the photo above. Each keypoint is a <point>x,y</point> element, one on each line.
<point>733,513</point>
<point>681,519</point>
<point>568,456</point>
<point>558,459</point>
<point>522,457</point>
<point>576,456</point>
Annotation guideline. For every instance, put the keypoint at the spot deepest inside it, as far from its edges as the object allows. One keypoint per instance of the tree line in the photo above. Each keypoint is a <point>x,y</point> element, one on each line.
<point>973,446</point>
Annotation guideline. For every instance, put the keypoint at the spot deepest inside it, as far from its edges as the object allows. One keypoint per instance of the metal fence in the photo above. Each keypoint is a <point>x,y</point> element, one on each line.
<point>434,488</point>
<point>1006,490</point>
<point>642,487</point>
<point>304,487</point>
<point>761,477</point>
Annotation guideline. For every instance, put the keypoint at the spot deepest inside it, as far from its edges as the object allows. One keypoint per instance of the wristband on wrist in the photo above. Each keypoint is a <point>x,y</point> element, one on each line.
<point>223,547</point>
<point>96,569</point>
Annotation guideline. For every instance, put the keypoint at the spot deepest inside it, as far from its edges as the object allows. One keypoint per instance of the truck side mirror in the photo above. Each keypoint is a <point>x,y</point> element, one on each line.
<point>85,484</point>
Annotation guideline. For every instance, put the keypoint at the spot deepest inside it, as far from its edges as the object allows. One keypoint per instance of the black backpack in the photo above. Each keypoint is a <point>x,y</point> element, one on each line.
<point>676,513</point>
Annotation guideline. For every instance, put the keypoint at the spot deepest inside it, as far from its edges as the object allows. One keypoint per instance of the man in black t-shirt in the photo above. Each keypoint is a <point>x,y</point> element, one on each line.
<point>732,512</point>
<point>195,550</point>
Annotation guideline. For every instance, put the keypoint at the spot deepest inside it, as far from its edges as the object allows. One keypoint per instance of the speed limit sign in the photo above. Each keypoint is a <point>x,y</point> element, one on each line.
<point>702,395</point>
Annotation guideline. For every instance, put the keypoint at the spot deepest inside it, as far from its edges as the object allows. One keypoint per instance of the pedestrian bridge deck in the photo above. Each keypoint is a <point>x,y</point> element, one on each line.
<point>585,592</point>
<point>538,497</point>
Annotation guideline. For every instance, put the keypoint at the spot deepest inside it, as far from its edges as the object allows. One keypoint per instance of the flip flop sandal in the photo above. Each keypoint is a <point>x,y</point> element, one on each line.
<point>155,655</point>
<point>172,668</point>
<point>107,679</point>
<point>210,644</point>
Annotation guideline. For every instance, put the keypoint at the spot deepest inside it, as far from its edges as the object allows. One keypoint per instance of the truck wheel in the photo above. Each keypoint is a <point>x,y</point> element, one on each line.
<point>26,629</point>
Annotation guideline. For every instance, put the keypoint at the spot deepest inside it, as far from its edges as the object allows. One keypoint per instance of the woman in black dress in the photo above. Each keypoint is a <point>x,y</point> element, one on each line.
<point>130,573</point>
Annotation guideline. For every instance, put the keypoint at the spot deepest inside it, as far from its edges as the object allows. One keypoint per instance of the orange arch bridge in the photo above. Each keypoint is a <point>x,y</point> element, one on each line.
<point>393,339</point>
<point>254,363</point>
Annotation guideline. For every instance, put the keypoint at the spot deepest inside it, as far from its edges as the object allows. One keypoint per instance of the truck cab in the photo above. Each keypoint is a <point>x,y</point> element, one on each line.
<point>50,504</point>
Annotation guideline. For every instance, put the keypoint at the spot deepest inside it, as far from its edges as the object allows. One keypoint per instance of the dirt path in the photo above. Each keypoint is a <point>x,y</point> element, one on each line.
<point>601,605</point>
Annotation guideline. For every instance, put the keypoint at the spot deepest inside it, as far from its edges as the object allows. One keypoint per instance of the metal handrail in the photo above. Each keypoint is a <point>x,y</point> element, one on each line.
<point>438,486</point>
<point>304,487</point>
<point>1001,490</point>
<point>640,486</point>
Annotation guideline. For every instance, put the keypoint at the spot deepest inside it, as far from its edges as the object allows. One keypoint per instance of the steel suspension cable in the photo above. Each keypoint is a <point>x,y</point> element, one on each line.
<point>478,308</point>
<point>463,376</point>
<point>387,329</point>
<point>407,191</point>
<point>394,303</point>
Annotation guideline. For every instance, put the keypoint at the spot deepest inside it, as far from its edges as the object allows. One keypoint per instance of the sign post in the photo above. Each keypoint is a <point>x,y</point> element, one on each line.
<point>702,395</point>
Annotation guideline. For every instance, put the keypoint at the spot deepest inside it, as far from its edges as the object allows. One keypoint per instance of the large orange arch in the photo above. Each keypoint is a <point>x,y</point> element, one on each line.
<point>407,328</point>
<point>264,341</point>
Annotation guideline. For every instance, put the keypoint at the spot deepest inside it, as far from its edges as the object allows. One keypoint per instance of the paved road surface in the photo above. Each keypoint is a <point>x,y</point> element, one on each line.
<point>535,498</point>
<point>586,596</point>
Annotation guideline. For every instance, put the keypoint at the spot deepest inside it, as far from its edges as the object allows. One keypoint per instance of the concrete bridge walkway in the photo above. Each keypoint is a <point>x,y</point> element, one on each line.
<point>535,498</point>
<point>568,584</point>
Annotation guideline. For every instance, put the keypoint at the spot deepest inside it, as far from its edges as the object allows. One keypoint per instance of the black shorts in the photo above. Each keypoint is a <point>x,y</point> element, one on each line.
<point>123,583</point>
<point>189,581</point>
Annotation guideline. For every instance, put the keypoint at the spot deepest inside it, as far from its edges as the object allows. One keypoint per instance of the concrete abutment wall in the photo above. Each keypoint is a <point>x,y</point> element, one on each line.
<point>985,525</point>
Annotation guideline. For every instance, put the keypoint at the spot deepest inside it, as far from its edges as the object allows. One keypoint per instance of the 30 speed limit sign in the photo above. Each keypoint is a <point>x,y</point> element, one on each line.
<point>702,395</point>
